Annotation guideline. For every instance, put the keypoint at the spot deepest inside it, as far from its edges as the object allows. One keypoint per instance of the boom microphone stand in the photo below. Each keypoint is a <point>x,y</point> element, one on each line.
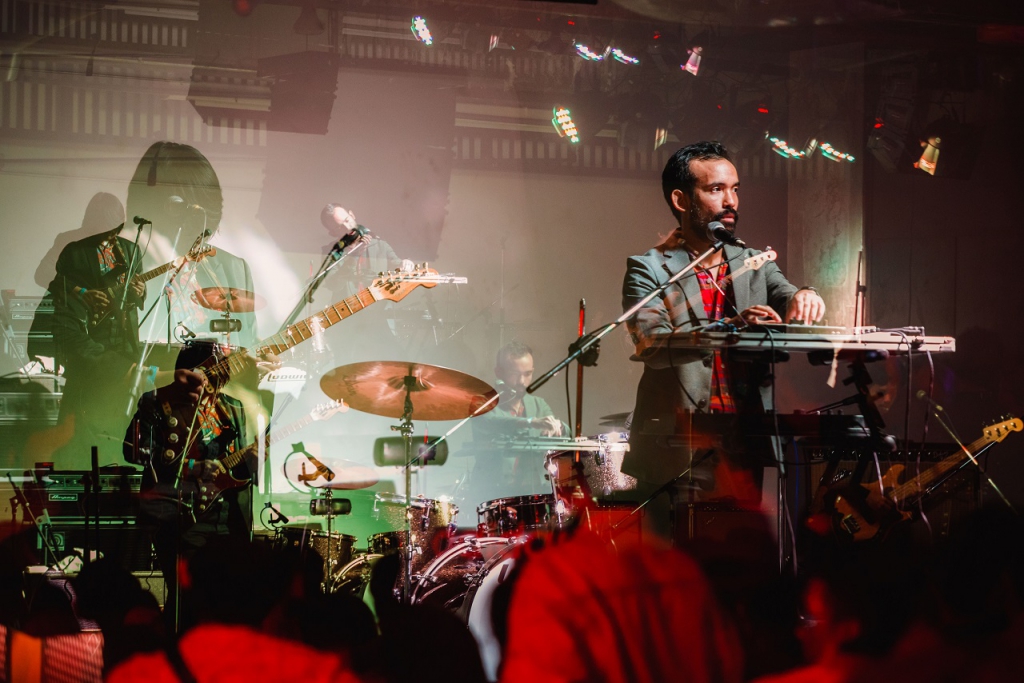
<point>590,341</point>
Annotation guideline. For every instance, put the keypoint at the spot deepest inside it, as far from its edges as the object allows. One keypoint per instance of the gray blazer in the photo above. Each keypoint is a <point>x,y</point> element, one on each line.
<point>677,381</point>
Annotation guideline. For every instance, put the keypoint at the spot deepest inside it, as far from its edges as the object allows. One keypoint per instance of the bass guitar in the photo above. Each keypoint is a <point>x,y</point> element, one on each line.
<point>868,511</point>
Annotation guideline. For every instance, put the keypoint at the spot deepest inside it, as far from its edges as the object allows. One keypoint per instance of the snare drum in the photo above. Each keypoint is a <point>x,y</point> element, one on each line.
<point>517,516</point>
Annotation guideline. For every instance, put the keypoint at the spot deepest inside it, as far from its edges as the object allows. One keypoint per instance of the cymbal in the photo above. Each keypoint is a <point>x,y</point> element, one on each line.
<point>614,420</point>
<point>227,299</point>
<point>378,387</point>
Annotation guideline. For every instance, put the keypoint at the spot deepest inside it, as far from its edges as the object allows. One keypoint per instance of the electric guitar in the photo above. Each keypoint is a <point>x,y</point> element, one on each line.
<point>115,293</point>
<point>392,286</point>
<point>861,513</point>
<point>210,490</point>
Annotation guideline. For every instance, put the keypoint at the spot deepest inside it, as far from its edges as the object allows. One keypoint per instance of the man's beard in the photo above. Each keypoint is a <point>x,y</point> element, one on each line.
<point>702,220</point>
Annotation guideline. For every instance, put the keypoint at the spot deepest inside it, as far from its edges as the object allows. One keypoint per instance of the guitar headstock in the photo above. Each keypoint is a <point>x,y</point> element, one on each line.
<point>198,253</point>
<point>326,410</point>
<point>999,431</point>
<point>396,284</point>
<point>758,260</point>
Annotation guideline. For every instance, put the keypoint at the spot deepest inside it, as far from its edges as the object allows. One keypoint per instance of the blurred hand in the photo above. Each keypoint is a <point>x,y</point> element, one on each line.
<point>267,363</point>
<point>548,426</point>
<point>138,287</point>
<point>756,315</point>
<point>407,266</point>
<point>96,300</point>
<point>805,306</point>
<point>211,469</point>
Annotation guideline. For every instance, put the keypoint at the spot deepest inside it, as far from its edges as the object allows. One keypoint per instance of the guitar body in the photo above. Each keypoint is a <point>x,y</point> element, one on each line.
<point>861,513</point>
<point>209,491</point>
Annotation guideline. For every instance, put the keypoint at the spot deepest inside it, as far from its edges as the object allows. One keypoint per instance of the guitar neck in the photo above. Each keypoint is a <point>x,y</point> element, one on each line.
<point>316,323</point>
<point>923,480</point>
<point>294,334</point>
<point>728,279</point>
<point>156,272</point>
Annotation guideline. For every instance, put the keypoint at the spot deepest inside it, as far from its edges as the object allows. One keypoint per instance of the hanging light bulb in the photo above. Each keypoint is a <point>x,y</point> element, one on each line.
<point>564,125</point>
<point>588,54</point>
<point>420,30</point>
<point>830,152</point>
<point>930,156</point>
<point>622,57</point>
<point>693,63</point>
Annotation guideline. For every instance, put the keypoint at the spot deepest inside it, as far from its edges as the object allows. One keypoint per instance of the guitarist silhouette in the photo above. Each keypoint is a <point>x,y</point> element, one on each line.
<point>173,478</point>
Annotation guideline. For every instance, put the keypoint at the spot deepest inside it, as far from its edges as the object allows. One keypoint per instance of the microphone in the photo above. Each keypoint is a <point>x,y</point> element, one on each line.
<point>504,390</point>
<point>189,334</point>
<point>281,519</point>
<point>717,232</point>
<point>140,221</point>
<point>923,396</point>
<point>348,239</point>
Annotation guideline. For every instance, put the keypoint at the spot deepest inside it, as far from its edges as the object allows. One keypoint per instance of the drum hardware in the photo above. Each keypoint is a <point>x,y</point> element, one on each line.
<point>387,387</point>
<point>390,452</point>
<point>334,548</point>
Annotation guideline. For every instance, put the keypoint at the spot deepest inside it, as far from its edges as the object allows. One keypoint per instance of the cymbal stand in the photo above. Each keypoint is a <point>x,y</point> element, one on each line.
<point>406,430</point>
<point>328,559</point>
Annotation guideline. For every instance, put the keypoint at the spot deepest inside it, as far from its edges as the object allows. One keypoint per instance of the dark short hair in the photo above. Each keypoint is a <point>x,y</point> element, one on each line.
<point>512,351</point>
<point>174,169</point>
<point>327,216</point>
<point>678,175</point>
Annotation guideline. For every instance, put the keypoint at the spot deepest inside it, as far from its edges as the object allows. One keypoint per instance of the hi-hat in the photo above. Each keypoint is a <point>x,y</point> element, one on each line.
<point>378,387</point>
<point>228,299</point>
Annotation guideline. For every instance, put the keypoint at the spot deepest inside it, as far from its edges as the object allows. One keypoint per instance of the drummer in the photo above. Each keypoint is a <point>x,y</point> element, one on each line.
<point>505,464</point>
<point>518,414</point>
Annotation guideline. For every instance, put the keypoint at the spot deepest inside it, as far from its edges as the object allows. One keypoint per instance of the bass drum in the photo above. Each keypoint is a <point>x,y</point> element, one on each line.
<point>463,580</point>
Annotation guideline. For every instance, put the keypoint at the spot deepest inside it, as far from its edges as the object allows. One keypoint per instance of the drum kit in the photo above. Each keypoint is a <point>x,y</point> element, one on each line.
<point>442,568</point>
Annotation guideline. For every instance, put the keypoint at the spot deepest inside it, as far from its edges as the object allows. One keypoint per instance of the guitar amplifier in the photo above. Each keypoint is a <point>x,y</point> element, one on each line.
<point>20,313</point>
<point>62,494</point>
<point>946,508</point>
<point>119,539</point>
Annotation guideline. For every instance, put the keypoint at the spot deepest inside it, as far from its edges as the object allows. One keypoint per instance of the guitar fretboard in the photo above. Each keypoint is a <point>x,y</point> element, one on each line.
<point>923,480</point>
<point>305,329</point>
